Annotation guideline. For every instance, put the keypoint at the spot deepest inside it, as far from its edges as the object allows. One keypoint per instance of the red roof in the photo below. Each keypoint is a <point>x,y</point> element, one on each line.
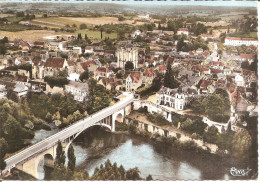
<point>185,60</point>
<point>149,72</point>
<point>54,62</point>
<point>215,71</point>
<point>87,64</point>
<point>236,38</point>
<point>247,56</point>
<point>103,70</point>
<point>205,83</point>
<point>71,63</point>
<point>135,76</point>
<point>162,68</point>
<point>206,53</point>
<point>88,48</point>
<point>217,63</point>
<point>183,29</point>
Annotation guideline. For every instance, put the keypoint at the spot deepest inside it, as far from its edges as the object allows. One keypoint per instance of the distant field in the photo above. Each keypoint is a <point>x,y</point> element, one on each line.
<point>98,20</point>
<point>29,35</point>
<point>33,35</point>
<point>57,21</point>
<point>96,34</point>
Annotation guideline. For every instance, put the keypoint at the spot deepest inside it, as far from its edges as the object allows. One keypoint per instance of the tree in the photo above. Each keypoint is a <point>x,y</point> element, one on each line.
<point>84,76</point>
<point>86,37</point>
<point>83,26</point>
<point>60,156</point>
<point>2,49</point>
<point>149,178</point>
<point>241,144</point>
<point>72,158</point>
<point>129,65</point>
<point>169,80</point>
<point>3,150</point>
<point>101,33</point>
<point>159,26</point>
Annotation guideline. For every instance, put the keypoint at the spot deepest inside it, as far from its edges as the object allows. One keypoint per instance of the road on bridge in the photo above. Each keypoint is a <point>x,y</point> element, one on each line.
<point>71,130</point>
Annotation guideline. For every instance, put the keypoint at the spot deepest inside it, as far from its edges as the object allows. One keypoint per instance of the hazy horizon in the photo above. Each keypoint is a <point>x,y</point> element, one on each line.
<point>152,3</point>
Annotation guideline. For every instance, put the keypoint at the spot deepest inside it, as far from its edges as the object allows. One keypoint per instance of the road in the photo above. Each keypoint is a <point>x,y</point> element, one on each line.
<point>71,130</point>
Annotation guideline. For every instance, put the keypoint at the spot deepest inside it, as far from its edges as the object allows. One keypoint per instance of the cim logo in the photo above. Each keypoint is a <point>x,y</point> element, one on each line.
<point>239,172</point>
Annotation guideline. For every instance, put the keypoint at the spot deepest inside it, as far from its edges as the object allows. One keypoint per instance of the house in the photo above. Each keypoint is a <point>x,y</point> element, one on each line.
<point>208,36</point>
<point>162,69</point>
<point>183,31</point>
<point>24,46</point>
<point>111,84</point>
<point>54,46</point>
<point>148,76</point>
<point>21,80</point>
<point>91,66</point>
<point>3,91</point>
<point>235,41</point>
<point>89,50</point>
<point>77,50</point>
<point>79,90</point>
<point>73,77</point>
<point>133,80</point>
<point>20,89</point>
<point>54,65</point>
<point>203,86</point>
<point>239,80</point>
<point>176,98</point>
<point>102,72</point>
<point>247,57</point>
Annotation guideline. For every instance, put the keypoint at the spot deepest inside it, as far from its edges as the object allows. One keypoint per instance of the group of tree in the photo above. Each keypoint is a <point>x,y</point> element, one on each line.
<point>129,66</point>
<point>155,87</point>
<point>84,76</point>
<point>16,124</point>
<point>216,106</point>
<point>99,97</point>
<point>190,46</point>
<point>3,48</point>
<point>55,107</point>
<point>56,81</point>
<point>169,78</point>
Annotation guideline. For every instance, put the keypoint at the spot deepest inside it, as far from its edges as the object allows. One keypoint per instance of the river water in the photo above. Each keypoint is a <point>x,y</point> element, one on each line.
<point>95,146</point>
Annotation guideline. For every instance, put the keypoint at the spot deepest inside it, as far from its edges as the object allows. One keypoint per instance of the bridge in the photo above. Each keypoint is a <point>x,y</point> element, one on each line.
<point>29,159</point>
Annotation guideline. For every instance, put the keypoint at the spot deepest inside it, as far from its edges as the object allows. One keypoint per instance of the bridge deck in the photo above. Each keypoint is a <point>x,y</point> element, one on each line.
<point>71,130</point>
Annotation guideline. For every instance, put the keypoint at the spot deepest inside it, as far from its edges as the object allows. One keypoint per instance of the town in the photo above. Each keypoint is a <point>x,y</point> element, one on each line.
<point>192,78</point>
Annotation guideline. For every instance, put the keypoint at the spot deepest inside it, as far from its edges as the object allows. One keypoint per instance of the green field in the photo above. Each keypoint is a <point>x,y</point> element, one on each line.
<point>17,27</point>
<point>96,34</point>
<point>14,19</point>
<point>57,21</point>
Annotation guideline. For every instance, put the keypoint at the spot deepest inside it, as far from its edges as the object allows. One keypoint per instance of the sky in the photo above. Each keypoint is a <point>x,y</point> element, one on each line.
<point>168,2</point>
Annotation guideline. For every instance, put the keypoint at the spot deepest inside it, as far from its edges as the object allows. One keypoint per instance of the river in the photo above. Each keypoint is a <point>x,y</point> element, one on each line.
<point>95,146</point>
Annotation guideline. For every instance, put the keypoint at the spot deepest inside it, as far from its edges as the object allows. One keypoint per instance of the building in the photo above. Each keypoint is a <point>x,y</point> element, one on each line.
<point>133,80</point>
<point>176,98</point>
<point>78,90</point>
<point>127,53</point>
<point>54,65</point>
<point>208,36</point>
<point>183,31</point>
<point>234,41</point>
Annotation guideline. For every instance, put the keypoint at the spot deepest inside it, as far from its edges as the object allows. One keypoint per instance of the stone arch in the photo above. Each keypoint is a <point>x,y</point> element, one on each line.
<point>119,118</point>
<point>47,160</point>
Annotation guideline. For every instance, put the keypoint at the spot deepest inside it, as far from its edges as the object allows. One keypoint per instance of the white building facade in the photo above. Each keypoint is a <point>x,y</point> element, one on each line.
<point>234,41</point>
